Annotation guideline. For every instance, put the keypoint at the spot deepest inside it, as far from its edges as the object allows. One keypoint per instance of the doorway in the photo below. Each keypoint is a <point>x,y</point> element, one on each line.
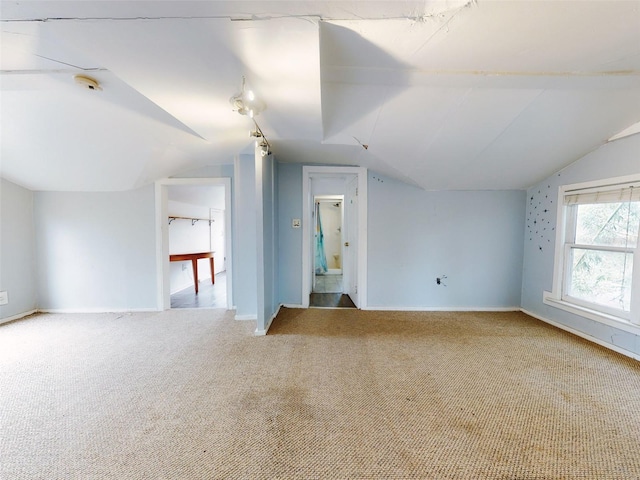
<point>328,244</point>
<point>194,243</point>
<point>328,288</point>
<point>334,245</point>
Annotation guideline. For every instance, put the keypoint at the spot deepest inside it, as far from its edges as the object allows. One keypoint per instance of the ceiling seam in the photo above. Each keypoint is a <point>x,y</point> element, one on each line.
<point>513,120</point>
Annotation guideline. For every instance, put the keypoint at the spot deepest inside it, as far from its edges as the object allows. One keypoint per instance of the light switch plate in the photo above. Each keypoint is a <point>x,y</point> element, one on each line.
<point>4,298</point>
<point>295,223</point>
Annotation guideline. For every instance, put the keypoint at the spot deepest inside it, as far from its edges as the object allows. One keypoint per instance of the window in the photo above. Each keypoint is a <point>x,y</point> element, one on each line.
<point>597,253</point>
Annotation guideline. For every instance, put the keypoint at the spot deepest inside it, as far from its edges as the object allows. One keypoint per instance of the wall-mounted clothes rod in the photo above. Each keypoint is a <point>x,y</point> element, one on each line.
<point>193,220</point>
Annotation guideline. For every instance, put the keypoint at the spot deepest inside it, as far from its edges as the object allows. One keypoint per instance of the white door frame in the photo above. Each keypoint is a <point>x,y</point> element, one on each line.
<point>309,172</point>
<point>162,234</point>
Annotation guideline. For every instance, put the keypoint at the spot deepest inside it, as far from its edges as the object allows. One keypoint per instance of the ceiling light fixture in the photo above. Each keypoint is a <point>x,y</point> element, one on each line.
<point>245,102</point>
<point>265,146</point>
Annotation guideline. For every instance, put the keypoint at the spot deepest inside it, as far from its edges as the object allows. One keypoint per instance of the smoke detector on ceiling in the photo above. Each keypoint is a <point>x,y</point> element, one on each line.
<point>87,82</point>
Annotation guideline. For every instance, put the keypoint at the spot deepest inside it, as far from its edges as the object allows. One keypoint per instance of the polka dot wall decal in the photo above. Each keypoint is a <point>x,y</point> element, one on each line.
<point>539,215</point>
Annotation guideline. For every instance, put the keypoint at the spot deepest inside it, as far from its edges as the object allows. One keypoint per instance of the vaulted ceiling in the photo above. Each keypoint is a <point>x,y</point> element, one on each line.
<point>443,94</point>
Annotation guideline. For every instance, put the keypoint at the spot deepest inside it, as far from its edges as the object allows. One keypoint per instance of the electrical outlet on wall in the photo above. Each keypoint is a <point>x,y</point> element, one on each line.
<point>440,280</point>
<point>4,298</point>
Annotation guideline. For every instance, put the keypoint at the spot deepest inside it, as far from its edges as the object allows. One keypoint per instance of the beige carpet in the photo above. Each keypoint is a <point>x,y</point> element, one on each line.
<point>328,394</point>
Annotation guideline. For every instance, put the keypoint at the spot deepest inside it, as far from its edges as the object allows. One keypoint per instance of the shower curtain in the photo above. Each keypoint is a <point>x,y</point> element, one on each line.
<point>321,258</point>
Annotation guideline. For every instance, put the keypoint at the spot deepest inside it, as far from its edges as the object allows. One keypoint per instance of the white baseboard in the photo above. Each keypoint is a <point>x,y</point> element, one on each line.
<point>260,333</point>
<point>442,309</point>
<point>580,334</point>
<point>334,271</point>
<point>292,305</point>
<point>98,310</point>
<point>247,317</point>
<point>17,317</point>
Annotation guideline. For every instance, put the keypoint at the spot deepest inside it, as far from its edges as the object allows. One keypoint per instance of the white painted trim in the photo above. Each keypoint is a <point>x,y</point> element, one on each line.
<point>561,259</point>
<point>162,234</point>
<point>307,204</point>
<point>291,305</point>
<point>97,310</point>
<point>196,309</point>
<point>606,182</point>
<point>252,316</point>
<point>333,271</point>
<point>442,309</point>
<point>580,334</point>
<point>363,256</point>
<point>261,333</point>
<point>18,316</point>
<point>548,298</point>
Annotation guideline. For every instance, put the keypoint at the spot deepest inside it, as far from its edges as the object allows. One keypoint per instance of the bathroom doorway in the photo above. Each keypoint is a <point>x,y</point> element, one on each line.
<point>328,244</point>
<point>328,288</point>
<point>334,237</point>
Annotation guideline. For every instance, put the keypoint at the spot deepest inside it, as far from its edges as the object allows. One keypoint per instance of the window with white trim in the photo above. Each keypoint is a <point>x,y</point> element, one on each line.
<point>598,252</point>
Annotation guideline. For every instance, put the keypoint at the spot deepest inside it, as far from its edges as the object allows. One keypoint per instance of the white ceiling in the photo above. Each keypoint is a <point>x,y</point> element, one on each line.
<point>444,94</point>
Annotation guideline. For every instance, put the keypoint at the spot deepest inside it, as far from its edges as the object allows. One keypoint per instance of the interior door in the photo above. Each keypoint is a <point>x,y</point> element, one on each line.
<point>350,272</point>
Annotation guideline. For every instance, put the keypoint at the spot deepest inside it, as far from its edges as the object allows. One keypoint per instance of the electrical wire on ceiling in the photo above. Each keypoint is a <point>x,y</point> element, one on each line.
<point>264,143</point>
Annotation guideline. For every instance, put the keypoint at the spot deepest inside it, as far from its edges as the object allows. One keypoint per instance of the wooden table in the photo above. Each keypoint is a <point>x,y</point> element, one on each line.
<point>183,257</point>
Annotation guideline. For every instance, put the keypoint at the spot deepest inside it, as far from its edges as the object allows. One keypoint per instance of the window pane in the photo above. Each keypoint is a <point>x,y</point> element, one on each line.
<point>602,277</point>
<point>611,224</point>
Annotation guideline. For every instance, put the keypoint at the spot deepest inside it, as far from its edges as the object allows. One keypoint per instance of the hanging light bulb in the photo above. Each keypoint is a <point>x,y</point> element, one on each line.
<point>245,102</point>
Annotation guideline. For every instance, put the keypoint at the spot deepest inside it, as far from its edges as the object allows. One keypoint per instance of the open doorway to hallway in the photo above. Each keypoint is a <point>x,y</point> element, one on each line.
<point>328,244</point>
<point>328,288</point>
<point>334,275</point>
<point>194,244</point>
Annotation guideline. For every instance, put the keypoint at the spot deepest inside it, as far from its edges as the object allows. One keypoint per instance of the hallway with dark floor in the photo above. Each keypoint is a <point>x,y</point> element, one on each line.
<point>330,300</point>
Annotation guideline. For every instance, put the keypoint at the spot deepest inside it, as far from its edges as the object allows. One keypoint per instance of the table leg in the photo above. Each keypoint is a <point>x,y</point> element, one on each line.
<point>194,262</point>
<point>213,276</point>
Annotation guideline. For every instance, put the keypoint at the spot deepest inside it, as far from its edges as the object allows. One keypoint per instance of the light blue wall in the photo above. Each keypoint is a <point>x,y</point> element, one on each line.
<point>245,247</point>
<point>473,237</point>
<point>17,249</point>
<point>96,251</point>
<point>290,239</point>
<point>267,240</point>
<point>618,158</point>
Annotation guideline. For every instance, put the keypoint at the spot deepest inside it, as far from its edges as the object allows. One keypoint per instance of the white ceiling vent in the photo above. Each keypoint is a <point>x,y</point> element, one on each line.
<point>87,82</point>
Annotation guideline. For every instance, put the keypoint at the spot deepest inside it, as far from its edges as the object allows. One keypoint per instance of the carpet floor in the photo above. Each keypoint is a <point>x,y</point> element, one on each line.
<point>328,394</point>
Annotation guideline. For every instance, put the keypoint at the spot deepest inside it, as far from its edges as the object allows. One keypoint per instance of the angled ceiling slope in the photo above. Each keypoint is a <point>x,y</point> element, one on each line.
<point>443,94</point>
<point>486,95</point>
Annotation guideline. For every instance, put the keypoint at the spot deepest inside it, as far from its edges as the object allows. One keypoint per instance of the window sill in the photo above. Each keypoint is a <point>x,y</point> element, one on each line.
<point>610,320</point>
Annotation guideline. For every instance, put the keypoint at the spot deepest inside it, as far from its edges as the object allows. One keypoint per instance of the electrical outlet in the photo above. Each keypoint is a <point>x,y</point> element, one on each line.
<point>184,267</point>
<point>4,298</point>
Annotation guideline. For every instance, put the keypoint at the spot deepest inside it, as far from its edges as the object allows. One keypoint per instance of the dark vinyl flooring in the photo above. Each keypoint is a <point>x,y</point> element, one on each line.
<point>331,300</point>
<point>209,296</point>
